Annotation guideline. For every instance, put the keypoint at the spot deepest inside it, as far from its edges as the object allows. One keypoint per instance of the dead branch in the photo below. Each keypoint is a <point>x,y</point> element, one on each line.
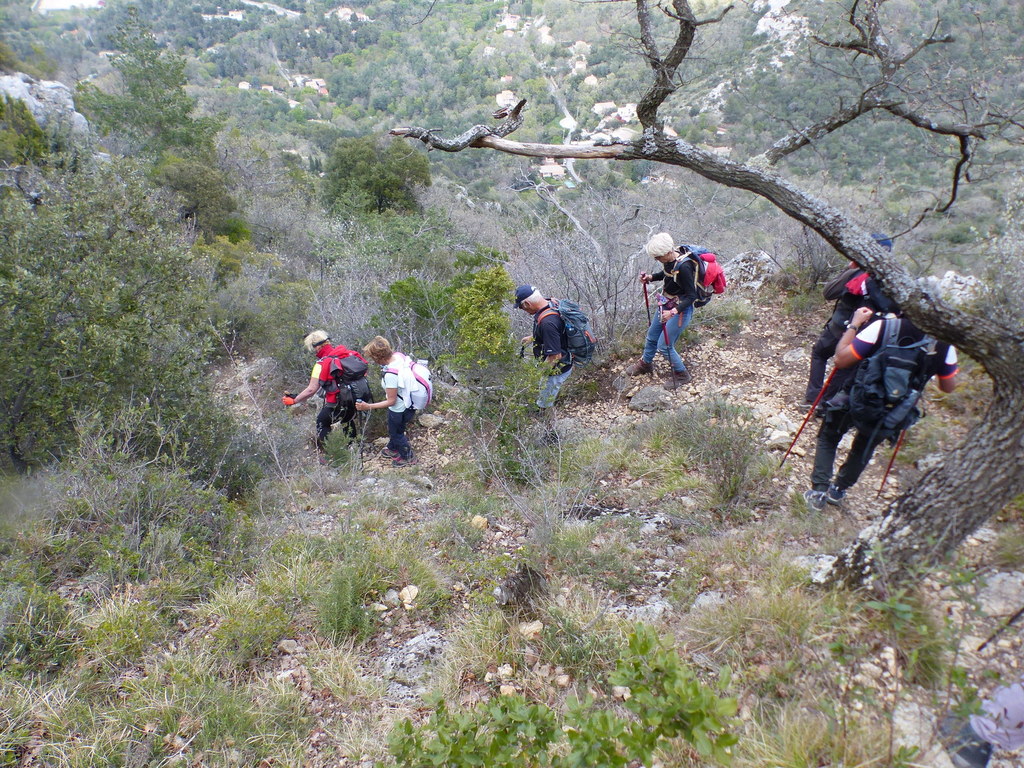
<point>470,138</point>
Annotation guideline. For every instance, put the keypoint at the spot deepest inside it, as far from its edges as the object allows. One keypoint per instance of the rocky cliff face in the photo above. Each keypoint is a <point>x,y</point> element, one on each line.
<point>49,101</point>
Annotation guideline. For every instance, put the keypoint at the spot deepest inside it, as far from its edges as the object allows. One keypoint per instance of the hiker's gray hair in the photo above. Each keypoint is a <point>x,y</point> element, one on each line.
<point>660,244</point>
<point>535,296</point>
<point>315,339</point>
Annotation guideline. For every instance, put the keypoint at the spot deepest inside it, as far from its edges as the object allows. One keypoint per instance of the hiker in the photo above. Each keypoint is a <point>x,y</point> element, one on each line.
<point>969,742</point>
<point>863,339</point>
<point>334,409</point>
<point>549,342</point>
<point>397,399</point>
<point>674,311</point>
<point>847,290</point>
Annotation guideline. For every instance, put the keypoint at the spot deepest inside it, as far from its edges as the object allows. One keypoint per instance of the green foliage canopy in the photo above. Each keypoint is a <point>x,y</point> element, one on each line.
<point>98,307</point>
<point>153,109</point>
<point>368,175</point>
<point>202,191</point>
<point>21,138</point>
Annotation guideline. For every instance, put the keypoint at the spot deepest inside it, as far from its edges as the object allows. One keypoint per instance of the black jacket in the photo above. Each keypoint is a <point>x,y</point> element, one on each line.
<point>679,281</point>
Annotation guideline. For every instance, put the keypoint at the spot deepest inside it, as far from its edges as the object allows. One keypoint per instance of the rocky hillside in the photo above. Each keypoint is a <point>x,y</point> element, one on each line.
<point>642,534</point>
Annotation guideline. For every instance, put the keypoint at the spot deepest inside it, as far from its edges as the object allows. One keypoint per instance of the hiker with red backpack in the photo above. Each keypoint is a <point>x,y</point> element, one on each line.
<point>400,385</point>
<point>338,400</point>
<point>549,342</point>
<point>893,361</point>
<point>690,277</point>
<point>849,292</point>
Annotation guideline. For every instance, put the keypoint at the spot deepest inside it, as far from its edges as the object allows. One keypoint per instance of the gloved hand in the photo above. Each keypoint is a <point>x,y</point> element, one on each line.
<point>288,400</point>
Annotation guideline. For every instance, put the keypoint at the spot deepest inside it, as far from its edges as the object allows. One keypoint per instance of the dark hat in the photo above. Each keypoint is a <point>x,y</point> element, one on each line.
<point>523,292</point>
<point>883,240</point>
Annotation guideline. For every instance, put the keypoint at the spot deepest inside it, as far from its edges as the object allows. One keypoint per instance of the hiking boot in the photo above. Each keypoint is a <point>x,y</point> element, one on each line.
<point>678,379</point>
<point>965,748</point>
<point>835,496</point>
<point>388,453</point>
<point>639,368</point>
<point>815,499</point>
<point>400,462</point>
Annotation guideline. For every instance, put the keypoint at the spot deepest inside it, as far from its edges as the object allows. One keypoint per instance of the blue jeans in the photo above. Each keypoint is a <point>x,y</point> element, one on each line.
<point>656,338</point>
<point>549,390</point>
<point>397,441</point>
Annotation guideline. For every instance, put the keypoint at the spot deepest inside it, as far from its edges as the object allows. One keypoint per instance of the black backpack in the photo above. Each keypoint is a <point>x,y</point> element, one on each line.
<point>580,343</point>
<point>348,379</point>
<point>887,385</point>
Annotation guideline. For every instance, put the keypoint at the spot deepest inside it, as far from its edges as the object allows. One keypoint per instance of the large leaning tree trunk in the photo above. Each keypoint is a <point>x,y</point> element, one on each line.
<point>986,471</point>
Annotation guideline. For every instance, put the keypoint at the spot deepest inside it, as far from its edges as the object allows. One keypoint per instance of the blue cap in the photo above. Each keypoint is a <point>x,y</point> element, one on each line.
<point>523,292</point>
<point>883,240</point>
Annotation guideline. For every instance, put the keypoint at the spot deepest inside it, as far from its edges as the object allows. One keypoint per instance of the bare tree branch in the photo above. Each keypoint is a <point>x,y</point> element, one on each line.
<point>427,14</point>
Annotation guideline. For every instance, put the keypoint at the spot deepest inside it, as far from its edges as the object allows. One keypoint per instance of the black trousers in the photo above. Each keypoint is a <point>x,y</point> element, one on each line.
<point>823,349</point>
<point>329,415</point>
<point>836,424</point>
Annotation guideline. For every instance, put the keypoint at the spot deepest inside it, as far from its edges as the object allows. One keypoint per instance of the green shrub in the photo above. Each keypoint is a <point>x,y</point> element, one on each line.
<point>597,551</point>
<point>915,633</point>
<point>244,627</point>
<point>22,141</point>
<point>115,318</point>
<point>343,613</point>
<point>483,333</point>
<point>1008,551</point>
<point>664,698</point>
<point>722,447</point>
<point>369,567</point>
<point>121,630</point>
<point>38,634</point>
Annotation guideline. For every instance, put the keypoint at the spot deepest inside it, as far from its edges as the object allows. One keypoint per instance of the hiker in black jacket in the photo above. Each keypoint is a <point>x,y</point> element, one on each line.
<point>549,342</point>
<point>674,311</point>
<point>864,337</point>
<point>847,302</point>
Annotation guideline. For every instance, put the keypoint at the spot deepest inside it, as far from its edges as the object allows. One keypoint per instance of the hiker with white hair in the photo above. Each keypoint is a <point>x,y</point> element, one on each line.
<point>549,342</point>
<point>675,308</point>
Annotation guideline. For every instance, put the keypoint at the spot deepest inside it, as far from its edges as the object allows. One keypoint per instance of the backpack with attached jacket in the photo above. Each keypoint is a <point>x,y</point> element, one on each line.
<point>708,278</point>
<point>887,385</point>
<point>347,377</point>
<point>579,341</point>
<point>414,384</point>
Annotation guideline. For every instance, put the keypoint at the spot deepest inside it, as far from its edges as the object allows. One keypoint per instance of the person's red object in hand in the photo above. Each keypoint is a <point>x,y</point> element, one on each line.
<point>287,400</point>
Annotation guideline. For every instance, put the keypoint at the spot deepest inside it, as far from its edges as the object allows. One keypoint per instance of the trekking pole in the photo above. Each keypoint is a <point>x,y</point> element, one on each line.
<point>647,300</point>
<point>899,443</point>
<point>810,412</point>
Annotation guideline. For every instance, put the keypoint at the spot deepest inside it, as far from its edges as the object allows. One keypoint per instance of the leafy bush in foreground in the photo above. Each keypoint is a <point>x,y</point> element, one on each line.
<point>664,697</point>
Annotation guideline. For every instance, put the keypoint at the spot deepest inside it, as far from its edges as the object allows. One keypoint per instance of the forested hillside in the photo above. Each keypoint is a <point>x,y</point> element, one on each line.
<point>189,577</point>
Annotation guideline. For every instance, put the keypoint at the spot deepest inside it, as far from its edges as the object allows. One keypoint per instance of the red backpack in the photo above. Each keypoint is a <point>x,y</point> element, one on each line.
<point>709,277</point>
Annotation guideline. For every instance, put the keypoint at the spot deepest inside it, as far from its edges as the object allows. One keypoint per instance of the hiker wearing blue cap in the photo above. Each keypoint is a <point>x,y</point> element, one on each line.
<point>849,291</point>
<point>549,342</point>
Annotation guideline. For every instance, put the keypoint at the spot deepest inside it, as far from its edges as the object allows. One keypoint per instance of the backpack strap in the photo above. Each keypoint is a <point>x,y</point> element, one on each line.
<point>544,313</point>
